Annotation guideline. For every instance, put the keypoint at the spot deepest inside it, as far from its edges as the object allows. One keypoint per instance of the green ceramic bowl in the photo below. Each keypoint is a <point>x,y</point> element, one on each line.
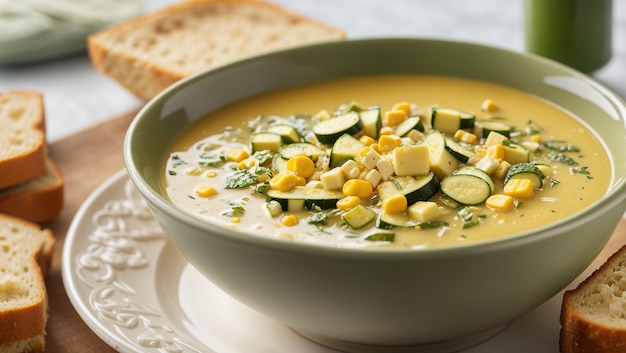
<point>349,298</point>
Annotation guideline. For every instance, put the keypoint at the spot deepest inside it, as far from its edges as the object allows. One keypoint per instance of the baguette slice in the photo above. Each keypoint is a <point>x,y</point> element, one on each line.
<point>22,137</point>
<point>593,315</point>
<point>37,200</point>
<point>25,255</point>
<point>150,52</point>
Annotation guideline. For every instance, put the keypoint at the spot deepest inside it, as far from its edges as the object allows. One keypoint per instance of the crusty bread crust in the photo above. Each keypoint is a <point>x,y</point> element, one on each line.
<point>23,316</point>
<point>38,200</point>
<point>581,333</point>
<point>22,138</point>
<point>150,52</point>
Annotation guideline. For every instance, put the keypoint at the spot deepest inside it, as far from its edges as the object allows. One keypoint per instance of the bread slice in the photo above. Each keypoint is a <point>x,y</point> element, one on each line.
<point>25,255</point>
<point>37,200</point>
<point>593,315</point>
<point>22,137</point>
<point>150,52</point>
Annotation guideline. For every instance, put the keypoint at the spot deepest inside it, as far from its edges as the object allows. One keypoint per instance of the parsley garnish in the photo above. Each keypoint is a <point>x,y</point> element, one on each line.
<point>468,217</point>
<point>381,237</point>
<point>318,218</point>
<point>582,170</point>
<point>262,156</point>
<point>239,180</point>
<point>553,182</point>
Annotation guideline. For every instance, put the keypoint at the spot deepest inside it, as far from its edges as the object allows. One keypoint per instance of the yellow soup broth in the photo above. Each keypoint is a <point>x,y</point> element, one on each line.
<point>203,157</point>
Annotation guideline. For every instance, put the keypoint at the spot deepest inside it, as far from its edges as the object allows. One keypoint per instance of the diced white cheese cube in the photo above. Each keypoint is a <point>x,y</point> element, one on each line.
<point>385,168</point>
<point>424,211</point>
<point>488,164</point>
<point>351,169</point>
<point>370,159</point>
<point>411,160</point>
<point>333,179</point>
<point>373,177</point>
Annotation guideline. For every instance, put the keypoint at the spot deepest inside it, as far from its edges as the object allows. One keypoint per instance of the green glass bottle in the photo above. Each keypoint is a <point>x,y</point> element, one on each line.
<point>574,32</point>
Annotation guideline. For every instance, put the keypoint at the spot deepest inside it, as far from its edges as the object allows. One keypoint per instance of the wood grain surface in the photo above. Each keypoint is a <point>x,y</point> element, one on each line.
<point>87,159</point>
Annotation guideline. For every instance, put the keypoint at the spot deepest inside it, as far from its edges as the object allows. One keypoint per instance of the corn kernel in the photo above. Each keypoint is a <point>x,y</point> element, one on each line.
<point>348,203</point>
<point>395,204</point>
<point>283,181</point>
<point>386,130</point>
<point>500,202</point>
<point>235,220</point>
<point>489,106</point>
<point>394,117</point>
<point>519,188</point>
<point>322,115</point>
<point>206,191</point>
<point>289,220</point>
<point>237,155</point>
<point>387,143</point>
<point>300,180</point>
<point>465,136</point>
<point>211,174</point>
<point>404,106</point>
<point>375,146</point>
<point>357,187</point>
<point>366,140</point>
<point>536,138</point>
<point>301,165</point>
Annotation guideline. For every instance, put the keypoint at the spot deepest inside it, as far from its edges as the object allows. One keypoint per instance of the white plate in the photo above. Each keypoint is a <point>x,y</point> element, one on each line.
<point>138,294</point>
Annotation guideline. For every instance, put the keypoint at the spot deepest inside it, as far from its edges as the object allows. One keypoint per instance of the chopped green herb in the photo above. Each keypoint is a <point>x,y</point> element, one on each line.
<point>582,170</point>
<point>239,180</point>
<point>468,217</point>
<point>432,224</point>
<point>171,172</point>
<point>561,158</point>
<point>262,156</point>
<point>318,218</point>
<point>560,146</point>
<point>553,182</point>
<point>396,183</point>
<point>261,187</point>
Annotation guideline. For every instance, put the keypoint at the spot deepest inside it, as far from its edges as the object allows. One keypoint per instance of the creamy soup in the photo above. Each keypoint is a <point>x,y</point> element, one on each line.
<point>387,161</point>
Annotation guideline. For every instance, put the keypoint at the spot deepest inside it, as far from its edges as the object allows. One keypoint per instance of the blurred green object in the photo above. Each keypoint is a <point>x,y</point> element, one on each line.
<point>36,30</point>
<point>577,33</point>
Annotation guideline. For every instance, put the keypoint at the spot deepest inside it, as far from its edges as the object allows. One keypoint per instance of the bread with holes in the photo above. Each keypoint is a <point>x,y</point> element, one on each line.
<point>37,200</point>
<point>593,315</point>
<point>22,137</point>
<point>149,53</point>
<point>25,255</point>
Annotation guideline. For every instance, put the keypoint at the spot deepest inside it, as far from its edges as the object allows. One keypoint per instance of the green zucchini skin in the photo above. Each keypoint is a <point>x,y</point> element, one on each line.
<point>415,189</point>
<point>465,189</point>
<point>345,148</point>
<point>359,217</point>
<point>525,170</point>
<point>302,197</point>
<point>329,130</point>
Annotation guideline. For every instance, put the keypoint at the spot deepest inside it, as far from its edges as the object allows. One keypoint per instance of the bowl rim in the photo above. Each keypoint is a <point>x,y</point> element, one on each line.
<point>615,196</point>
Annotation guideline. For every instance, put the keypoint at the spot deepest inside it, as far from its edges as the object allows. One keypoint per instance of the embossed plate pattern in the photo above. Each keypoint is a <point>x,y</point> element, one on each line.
<point>138,294</point>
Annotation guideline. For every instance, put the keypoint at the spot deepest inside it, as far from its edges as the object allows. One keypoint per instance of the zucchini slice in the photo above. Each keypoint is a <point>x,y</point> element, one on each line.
<point>496,126</point>
<point>345,148</point>
<point>300,149</point>
<point>289,133</point>
<point>442,162</point>
<point>411,123</point>
<point>279,164</point>
<point>471,170</point>
<point>302,197</point>
<point>527,171</point>
<point>371,122</point>
<point>449,120</point>
<point>514,153</point>
<point>262,141</point>
<point>458,151</point>
<point>465,189</point>
<point>381,236</point>
<point>420,188</point>
<point>328,131</point>
<point>359,217</point>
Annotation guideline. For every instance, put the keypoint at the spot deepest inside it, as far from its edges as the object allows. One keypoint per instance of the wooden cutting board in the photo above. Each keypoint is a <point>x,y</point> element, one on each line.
<point>87,159</point>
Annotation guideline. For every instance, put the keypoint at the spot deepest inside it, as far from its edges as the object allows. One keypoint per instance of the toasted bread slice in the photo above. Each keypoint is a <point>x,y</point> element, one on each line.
<point>593,315</point>
<point>150,52</point>
<point>22,137</point>
<point>25,255</point>
<point>37,200</point>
